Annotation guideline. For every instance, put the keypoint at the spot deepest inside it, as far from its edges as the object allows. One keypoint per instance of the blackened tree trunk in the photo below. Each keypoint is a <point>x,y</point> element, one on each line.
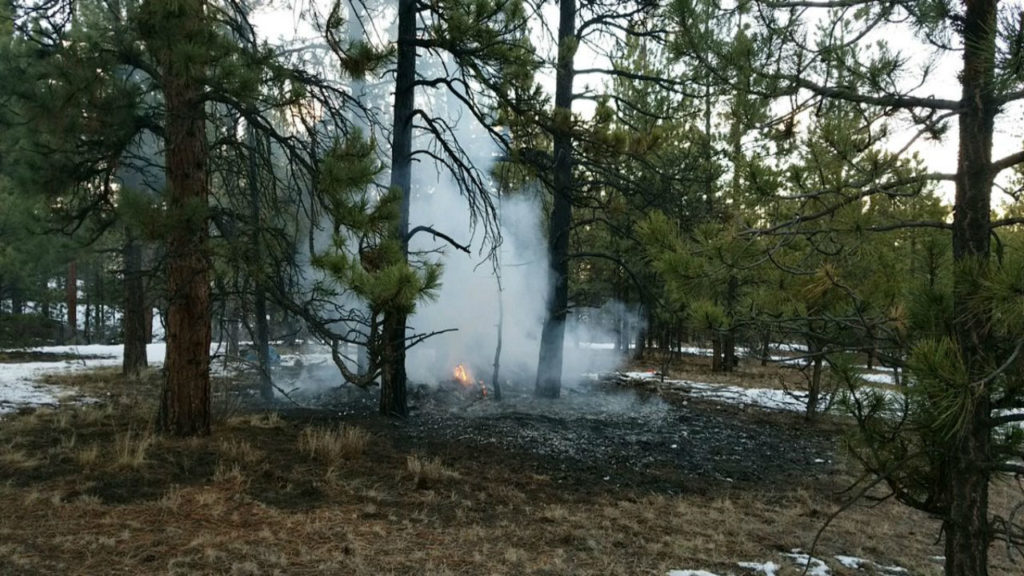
<point>262,336</point>
<point>393,376</point>
<point>185,401</point>
<point>552,340</point>
<point>134,309</point>
<point>966,479</point>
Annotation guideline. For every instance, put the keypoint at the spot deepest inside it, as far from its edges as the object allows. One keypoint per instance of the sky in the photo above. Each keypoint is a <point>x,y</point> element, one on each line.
<point>939,156</point>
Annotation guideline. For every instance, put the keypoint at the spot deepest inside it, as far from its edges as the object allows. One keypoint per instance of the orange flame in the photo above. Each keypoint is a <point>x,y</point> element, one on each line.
<point>462,375</point>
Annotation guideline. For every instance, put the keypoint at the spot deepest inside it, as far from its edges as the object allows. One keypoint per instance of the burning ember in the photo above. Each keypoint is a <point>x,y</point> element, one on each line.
<point>462,376</point>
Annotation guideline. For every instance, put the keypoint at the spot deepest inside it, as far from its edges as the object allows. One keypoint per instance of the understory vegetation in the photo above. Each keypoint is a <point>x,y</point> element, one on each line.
<point>90,489</point>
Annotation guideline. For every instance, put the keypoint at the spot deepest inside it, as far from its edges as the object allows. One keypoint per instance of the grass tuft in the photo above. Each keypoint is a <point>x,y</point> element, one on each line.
<point>332,445</point>
<point>132,448</point>
<point>88,456</point>
<point>428,472</point>
<point>240,451</point>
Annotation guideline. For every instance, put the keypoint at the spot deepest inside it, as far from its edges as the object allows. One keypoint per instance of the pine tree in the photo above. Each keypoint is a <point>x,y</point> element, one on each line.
<point>826,52</point>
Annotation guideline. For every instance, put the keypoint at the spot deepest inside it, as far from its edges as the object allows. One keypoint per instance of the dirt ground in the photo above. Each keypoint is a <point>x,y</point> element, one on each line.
<point>605,481</point>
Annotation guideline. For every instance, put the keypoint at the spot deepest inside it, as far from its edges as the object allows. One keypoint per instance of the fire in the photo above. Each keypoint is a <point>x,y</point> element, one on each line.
<point>462,375</point>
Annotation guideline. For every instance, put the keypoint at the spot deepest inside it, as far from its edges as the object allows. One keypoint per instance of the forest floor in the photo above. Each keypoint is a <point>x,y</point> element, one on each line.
<point>612,479</point>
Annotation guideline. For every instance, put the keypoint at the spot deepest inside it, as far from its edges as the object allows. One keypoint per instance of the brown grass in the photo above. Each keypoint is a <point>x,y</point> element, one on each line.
<point>428,472</point>
<point>254,499</point>
<point>332,445</point>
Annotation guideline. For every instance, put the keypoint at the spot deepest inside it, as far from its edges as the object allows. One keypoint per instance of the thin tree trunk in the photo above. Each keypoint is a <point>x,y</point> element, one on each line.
<point>729,360</point>
<point>641,335</point>
<point>88,328</point>
<point>135,360</point>
<point>814,387</point>
<point>17,302</point>
<point>185,401</point>
<point>393,376</point>
<point>552,340</point>
<point>71,292</point>
<point>262,336</point>
<point>496,374</point>
<point>766,346</point>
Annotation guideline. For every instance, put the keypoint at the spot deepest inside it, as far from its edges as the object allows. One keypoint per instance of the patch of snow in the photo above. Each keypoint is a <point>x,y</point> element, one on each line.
<point>641,375</point>
<point>691,573</point>
<point>851,562</point>
<point>878,378</point>
<point>815,566</point>
<point>18,381</point>
<point>766,568</point>
<point>770,398</point>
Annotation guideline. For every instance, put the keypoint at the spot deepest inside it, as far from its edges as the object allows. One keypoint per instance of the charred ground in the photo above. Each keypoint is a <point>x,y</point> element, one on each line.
<point>606,480</point>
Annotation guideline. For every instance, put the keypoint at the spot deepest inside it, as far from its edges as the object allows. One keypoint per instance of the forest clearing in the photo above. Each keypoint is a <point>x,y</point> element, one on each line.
<point>627,476</point>
<point>679,287</point>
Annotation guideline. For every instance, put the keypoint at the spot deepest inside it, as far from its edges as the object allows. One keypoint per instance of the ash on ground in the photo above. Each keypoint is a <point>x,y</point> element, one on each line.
<point>601,434</point>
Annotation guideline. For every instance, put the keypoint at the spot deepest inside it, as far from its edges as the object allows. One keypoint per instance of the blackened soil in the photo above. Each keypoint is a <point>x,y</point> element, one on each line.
<point>604,437</point>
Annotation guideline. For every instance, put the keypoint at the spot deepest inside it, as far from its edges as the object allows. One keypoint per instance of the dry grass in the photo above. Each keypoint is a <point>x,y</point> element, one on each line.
<point>332,445</point>
<point>246,501</point>
<point>428,472</point>
<point>132,447</point>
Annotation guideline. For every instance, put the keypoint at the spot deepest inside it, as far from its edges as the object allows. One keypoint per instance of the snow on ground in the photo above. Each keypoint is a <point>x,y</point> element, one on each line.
<point>800,560</point>
<point>767,568</point>
<point>18,381</point>
<point>770,398</point>
<point>878,377</point>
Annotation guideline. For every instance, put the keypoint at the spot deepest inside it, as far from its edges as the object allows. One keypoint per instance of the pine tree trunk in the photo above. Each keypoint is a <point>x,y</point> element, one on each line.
<point>716,352</point>
<point>552,340</point>
<point>262,336</point>
<point>185,401</point>
<point>729,360</point>
<point>71,292</point>
<point>966,528</point>
<point>135,360</point>
<point>17,302</point>
<point>814,388</point>
<point>88,328</point>
<point>966,480</point>
<point>393,376</point>
<point>641,336</point>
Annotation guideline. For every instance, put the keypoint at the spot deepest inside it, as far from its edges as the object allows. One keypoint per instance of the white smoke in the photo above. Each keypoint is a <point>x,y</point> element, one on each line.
<point>469,303</point>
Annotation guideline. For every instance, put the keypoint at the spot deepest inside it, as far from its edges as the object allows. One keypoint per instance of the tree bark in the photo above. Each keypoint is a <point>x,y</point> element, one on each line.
<point>641,335</point>
<point>185,401</point>
<point>716,352</point>
<point>262,336</point>
<point>967,477</point>
<point>552,340</point>
<point>393,376</point>
<point>814,386</point>
<point>71,292</point>
<point>135,360</point>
